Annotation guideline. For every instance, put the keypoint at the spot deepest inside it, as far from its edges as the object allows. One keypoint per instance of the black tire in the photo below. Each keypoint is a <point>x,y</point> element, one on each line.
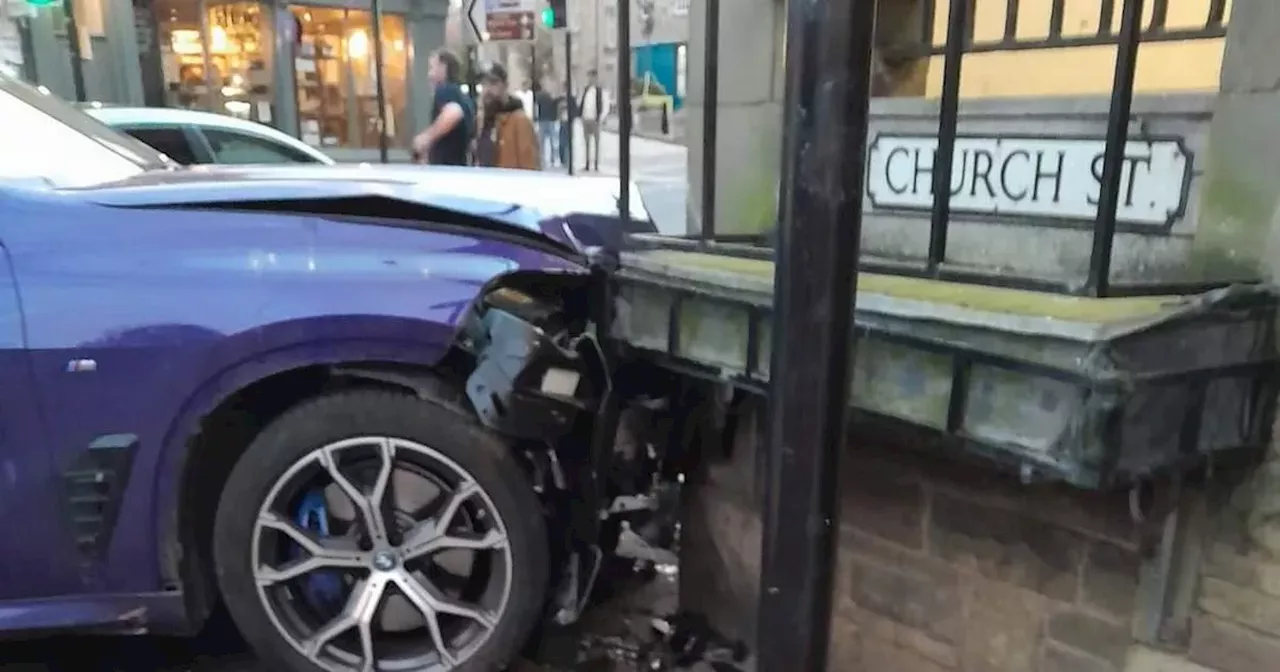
<point>349,414</point>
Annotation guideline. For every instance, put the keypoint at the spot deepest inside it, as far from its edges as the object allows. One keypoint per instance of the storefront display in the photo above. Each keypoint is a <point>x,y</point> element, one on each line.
<point>239,65</point>
<point>306,69</point>
<point>336,78</point>
<point>218,56</point>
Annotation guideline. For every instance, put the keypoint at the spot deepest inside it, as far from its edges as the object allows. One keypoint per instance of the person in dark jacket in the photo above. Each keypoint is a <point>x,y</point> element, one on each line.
<point>544,106</point>
<point>506,138</point>
<point>566,113</point>
<point>446,140</point>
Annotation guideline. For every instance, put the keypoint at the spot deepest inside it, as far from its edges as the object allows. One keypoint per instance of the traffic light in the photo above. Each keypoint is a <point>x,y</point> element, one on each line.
<point>554,15</point>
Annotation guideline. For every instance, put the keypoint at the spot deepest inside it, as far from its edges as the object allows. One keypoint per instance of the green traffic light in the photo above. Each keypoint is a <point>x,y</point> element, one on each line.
<point>43,3</point>
<point>548,17</point>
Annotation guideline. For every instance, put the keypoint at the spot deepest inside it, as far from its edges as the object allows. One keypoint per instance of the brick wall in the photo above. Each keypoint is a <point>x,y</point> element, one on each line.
<point>956,568</point>
<point>1237,627</point>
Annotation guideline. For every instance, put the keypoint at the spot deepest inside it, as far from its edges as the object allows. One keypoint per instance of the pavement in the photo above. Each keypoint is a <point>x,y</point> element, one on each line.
<point>660,170</point>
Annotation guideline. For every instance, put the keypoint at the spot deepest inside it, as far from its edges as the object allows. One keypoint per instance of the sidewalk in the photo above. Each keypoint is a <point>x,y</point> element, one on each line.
<point>675,138</point>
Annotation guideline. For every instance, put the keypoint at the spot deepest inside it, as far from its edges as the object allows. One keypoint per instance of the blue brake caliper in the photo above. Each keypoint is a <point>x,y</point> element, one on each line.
<point>322,587</point>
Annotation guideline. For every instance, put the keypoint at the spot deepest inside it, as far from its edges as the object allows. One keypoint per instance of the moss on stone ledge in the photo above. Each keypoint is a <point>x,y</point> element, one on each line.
<point>975,297</point>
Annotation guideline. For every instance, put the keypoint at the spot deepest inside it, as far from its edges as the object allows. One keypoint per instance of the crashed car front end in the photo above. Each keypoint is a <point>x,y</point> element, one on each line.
<point>600,434</point>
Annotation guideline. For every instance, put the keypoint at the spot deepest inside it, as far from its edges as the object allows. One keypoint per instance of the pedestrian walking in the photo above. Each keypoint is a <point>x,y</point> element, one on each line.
<point>447,139</point>
<point>545,110</point>
<point>506,138</point>
<point>593,106</point>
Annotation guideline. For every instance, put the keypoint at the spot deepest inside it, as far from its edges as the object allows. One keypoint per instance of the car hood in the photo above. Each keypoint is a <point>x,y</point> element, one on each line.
<point>523,199</point>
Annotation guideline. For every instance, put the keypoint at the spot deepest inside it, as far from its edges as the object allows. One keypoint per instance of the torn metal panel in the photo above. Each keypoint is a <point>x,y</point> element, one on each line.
<point>1069,388</point>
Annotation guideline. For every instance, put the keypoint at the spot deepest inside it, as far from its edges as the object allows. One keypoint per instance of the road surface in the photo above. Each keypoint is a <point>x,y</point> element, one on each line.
<point>659,169</point>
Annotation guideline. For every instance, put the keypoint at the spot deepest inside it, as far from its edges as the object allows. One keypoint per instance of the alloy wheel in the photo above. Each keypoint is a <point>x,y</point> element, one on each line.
<point>379,553</point>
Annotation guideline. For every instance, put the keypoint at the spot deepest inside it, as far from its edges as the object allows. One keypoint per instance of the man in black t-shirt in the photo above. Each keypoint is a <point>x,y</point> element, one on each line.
<point>447,140</point>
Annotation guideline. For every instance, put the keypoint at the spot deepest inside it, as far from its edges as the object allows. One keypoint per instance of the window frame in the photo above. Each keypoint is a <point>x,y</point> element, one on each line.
<point>199,148</point>
<point>202,131</point>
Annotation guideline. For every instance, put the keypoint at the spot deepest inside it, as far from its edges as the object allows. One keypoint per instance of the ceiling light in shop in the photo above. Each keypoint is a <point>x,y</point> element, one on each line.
<point>358,44</point>
<point>218,39</point>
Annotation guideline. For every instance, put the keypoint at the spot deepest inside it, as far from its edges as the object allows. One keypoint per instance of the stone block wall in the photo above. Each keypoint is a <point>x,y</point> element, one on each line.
<point>948,567</point>
<point>953,568</point>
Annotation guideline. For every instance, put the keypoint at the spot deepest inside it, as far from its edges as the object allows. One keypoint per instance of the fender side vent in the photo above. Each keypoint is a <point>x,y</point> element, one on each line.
<point>93,488</point>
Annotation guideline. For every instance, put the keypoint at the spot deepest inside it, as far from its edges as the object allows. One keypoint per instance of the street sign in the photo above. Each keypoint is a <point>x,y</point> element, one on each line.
<point>508,20</point>
<point>473,27</point>
<point>1031,177</point>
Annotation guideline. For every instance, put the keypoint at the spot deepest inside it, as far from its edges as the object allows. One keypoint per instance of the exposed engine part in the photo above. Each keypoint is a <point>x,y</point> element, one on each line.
<point>557,472</point>
<point>581,579</point>
<point>548,474</point>
<point>537,365</point>
<point>527,384</point>
<point>593,450</point>
<point>635,547</point>
<point>628,503</point>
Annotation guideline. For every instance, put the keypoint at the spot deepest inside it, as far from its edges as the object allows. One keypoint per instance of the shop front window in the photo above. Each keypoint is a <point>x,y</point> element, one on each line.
<point>216,56</point>
<point>336,77</point>
<point>239,60</point>
<point>182,53</point>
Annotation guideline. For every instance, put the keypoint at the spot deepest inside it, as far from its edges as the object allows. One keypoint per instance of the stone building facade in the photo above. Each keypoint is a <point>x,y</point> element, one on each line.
<point>11,61</point>
<point>595,32</point>
<point>595,38</point>
<point>659,21</point>
<point>948,566</point>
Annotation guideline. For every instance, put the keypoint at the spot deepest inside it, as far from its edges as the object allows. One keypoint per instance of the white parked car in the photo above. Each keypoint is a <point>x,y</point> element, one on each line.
<point>190,137</point>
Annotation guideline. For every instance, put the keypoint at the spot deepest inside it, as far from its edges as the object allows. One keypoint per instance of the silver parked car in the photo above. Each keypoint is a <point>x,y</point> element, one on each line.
<point>190,137</point>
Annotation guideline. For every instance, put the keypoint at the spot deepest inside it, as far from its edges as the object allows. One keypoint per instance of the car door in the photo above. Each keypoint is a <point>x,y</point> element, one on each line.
<point>176,141</point>
<point>236,147</point>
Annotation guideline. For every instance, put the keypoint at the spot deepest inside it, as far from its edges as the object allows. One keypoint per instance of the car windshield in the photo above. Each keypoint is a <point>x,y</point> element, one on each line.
<point>45,138</point>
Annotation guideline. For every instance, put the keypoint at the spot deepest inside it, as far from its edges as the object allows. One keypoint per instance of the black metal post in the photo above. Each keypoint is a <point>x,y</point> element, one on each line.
<point>380,91</point>
<point>710,106</point>
<point>829,49</point>
<point>948,119</point>
<point>568,95</point>
<point>28,51</point>
<point>1104,228</point>
<point>624,109</point>
<point>534,79</point>
<point>73,44</point>
<point>1217,13</point>
<point>473,64</point>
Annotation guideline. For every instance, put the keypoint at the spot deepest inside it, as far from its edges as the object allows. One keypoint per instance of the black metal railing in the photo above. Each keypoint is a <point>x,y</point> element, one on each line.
<point>960,41</point>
